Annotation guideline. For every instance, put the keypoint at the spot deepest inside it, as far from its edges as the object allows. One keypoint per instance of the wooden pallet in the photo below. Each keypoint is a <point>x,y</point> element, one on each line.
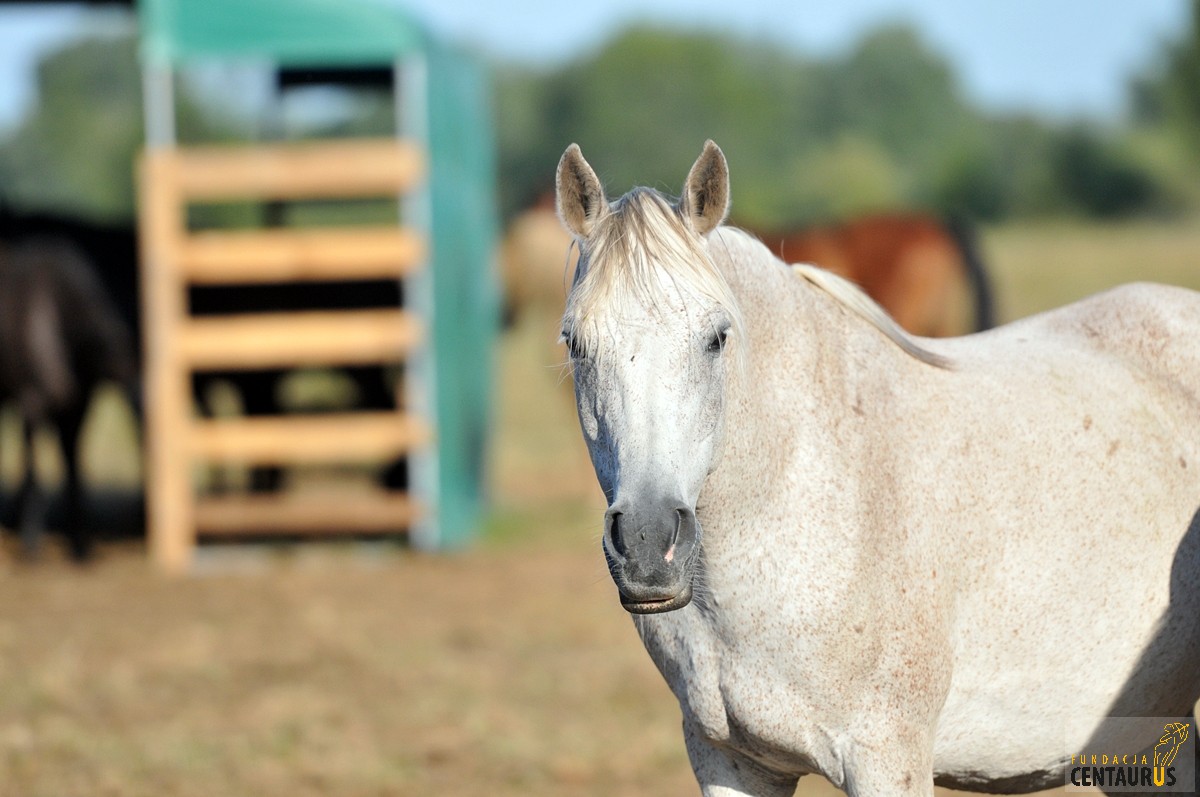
<point>178,344</point>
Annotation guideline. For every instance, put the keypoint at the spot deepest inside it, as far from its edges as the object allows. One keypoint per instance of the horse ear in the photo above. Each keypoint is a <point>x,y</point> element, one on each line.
<point>580,199</point>
<point>705,201</point>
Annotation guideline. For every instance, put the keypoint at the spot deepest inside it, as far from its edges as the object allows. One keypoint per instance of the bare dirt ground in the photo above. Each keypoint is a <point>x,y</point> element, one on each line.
<point>347,669</point>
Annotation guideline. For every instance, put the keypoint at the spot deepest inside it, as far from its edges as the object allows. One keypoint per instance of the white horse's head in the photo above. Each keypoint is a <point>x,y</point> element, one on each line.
<point>651,329</point>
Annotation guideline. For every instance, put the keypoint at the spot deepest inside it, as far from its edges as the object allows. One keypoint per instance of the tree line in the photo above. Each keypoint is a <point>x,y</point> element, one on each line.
<point>886,125</point>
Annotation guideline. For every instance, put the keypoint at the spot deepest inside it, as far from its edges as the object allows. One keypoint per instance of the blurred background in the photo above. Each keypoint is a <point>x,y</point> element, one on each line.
<point>1065,137</point>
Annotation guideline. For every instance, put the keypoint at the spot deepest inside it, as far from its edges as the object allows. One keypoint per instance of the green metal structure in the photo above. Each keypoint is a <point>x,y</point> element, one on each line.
<point>288,32</point>
<point>443,100</point>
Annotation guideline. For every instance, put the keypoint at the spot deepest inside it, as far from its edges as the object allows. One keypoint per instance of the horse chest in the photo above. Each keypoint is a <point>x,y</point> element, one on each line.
<point>745,701</point>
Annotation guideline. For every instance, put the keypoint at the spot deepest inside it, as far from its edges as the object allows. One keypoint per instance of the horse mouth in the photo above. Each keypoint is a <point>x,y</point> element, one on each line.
<point>659,606</point>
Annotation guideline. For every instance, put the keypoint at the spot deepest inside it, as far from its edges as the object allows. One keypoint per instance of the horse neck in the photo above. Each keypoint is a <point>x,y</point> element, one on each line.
<point>795,425</point>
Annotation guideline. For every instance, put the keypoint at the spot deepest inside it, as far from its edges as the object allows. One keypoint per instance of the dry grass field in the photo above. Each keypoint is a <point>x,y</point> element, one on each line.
<point>508,669</point>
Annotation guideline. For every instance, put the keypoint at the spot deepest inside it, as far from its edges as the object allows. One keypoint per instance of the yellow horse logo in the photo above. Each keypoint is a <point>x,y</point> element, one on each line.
<point>1174,735</point>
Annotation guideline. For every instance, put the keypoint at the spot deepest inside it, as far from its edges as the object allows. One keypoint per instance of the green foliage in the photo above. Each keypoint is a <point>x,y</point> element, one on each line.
<point>854,174</point>
<point>883,126</point>
<point>894,89</point>
<point>971,182</point>
<point>1166,111</point>
<point>807,139</point>
<point>643,105</point>
<point>1098,178</point>
<point>1002,170</point>
<point>1178,87</point>
<point>76,150</point>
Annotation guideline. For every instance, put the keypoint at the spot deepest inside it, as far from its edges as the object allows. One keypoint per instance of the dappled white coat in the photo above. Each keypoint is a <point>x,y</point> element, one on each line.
<point>908,569</point>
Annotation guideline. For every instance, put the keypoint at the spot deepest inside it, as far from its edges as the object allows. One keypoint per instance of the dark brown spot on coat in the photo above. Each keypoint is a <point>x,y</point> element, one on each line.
<point>1087,422</point>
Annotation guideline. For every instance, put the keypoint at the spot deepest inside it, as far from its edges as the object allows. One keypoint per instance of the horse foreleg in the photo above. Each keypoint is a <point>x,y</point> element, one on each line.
<point>70,425</point>
<point>895,768</point>
<point>31,508</point>
<point>725,773</point>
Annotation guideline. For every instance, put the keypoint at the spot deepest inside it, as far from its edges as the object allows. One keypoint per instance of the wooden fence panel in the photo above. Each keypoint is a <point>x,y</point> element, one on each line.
<point>178,344</point>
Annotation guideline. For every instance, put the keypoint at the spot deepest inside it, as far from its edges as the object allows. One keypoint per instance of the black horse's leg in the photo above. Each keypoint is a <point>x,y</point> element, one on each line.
<point>70,426</point>
<point>377,391</point>
<point>258,398</point>
<point>31,504</point>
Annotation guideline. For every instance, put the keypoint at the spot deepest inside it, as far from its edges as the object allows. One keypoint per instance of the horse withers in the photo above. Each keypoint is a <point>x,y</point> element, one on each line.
<point>888,560</point>
<point>60,338</point>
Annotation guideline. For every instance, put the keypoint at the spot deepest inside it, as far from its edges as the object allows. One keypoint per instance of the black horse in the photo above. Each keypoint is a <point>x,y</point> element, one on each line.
<point>61,336</point>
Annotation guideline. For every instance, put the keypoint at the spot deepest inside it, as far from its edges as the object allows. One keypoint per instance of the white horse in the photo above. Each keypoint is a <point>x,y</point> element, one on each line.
<point>886,560</point>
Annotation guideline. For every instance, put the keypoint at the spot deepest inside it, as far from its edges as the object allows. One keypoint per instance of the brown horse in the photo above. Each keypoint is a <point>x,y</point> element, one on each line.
<point>918,267</point>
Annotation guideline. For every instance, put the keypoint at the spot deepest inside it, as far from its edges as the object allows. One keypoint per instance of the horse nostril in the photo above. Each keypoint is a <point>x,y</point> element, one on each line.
<point>681,519</point>
<point>684,530</point>
<point>613,520</point>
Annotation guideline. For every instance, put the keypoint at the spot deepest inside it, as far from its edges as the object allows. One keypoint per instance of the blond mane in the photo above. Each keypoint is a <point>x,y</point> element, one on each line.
<point>621,262</point>
<point>858,302</point>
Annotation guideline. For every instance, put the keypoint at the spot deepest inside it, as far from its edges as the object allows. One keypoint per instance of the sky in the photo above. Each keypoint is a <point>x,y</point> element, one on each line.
<point>1063,58</point>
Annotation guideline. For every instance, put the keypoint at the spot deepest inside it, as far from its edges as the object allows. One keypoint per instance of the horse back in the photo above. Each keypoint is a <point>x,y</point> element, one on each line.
<point>1153,329</point>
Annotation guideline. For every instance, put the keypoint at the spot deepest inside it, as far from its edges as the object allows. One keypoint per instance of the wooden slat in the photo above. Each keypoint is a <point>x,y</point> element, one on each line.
<point>169,497</point>
<point>372,513</point>
<point>270,340</point>
<point>283,255</point>
<point>309,170</point>
<point>279,440</point>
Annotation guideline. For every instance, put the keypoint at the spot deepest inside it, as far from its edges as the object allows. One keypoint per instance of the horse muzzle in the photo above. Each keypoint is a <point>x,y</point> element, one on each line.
<point>650,550</point>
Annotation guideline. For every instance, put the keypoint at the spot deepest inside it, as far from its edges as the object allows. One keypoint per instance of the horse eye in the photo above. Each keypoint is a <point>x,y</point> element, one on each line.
<point>573,347</point>
<point>717,344</point>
